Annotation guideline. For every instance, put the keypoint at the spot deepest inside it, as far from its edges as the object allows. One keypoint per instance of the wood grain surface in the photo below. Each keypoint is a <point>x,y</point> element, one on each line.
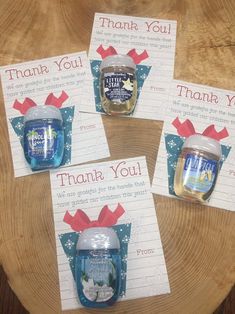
<point>198,241</point>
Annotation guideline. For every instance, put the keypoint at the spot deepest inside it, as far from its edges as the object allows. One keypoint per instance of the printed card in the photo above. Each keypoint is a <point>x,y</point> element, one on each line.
<point>66,83</point>
<point>205,110</point>
<point>151,44</point>
<point>114,194</point>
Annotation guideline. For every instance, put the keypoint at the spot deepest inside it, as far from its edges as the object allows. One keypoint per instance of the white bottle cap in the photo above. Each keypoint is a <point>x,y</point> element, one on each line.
<point>118,60</point>
<point>98,238</point>
<point>204,143</point>
<point>43,112</point>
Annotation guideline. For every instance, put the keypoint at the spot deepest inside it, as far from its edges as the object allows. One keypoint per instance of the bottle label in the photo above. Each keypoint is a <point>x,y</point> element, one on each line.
<point>98,276</point>
<point>41,139</point>
<point>199,173</point>
<point>118,86</point>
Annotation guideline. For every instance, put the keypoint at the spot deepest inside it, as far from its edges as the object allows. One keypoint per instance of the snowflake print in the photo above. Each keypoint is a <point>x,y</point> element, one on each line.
<point>69,119</point>
<point>169,155</point>
<point>124,259</point>
<point>125,239</point>
<point>122,294</point>
<point>173,165</point>
<point>69,244</point>
<point>99,107</point>
<point>70,134</point>
<point>19,125</point>
<point>171,144</point>
<point>96,68</point>
<point>70,258</point>
<point>67,146</point>
<point>123,274</point>
<point>143,76</point>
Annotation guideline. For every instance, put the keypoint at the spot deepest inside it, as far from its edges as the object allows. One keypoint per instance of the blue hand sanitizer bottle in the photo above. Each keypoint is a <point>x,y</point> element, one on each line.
<point>98,267</point>
<point>43,137</point>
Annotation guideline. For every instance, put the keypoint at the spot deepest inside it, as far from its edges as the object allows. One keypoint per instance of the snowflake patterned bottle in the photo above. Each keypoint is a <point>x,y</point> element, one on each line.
<point>118,85</point>
<point>98,267</point>
<point>197,168</point>
<point>43,137</point>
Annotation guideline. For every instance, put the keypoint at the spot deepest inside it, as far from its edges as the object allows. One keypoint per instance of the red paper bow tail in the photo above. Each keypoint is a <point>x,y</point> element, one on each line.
<point>68,218</point>
<point>137,58</point>
<point>106,52</point>
<point>78,222</point>
<point>108,218</point>
<point>51,100</point>
<point>23,107</point>
<point>210,131</point>
<point>184,129</point>
<point>81,221</point>
<point>54,101</point>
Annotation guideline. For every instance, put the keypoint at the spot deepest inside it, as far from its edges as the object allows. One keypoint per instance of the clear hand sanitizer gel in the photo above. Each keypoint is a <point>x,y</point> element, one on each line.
<point>43,137</point>
<point>118,85</point>
<point>197,168</point>
<point>98,267</point>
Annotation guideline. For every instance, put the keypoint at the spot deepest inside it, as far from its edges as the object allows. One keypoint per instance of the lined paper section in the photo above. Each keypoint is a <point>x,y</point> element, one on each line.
<point>90,187</point>
<point>203,106</point>
<point>68,75</point>
<point>156,37</point>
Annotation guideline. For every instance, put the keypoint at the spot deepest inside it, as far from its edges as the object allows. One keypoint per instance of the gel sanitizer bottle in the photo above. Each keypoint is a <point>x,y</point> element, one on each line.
<point>43,137</point>
<point>197,168</point>
<point>118,85</point>
<point>98,267</point>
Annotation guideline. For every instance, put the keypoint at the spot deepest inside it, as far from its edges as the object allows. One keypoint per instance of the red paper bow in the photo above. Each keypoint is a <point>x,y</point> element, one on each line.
<point>50,100</point>
<point>81,221</point>
<point>186,129</point>
<point>110,51</point>
<point>137,57</point>
<point>23,107</point>
<point>54,101</point>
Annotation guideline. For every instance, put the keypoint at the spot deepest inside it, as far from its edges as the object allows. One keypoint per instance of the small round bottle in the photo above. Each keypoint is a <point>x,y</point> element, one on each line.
<point>118,85</point>
<point>98,267</point>
<point>43,137</point>
<point>197,168</point>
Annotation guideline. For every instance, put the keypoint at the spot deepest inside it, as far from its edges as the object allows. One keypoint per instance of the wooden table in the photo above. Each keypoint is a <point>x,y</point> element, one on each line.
<point>199,242</point>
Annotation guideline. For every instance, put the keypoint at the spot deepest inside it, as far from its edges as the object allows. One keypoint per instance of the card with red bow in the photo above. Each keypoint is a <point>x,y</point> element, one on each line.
<point>198,109</point>
<point>151,45</point>
<point>64,82</point>
<point>114,194</point>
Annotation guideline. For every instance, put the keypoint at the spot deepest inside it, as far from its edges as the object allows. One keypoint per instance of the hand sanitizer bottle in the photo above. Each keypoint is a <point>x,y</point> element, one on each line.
<point>43,137</point>
<point>197,168</point>
<point>98,267</point>
<point>118,85</point>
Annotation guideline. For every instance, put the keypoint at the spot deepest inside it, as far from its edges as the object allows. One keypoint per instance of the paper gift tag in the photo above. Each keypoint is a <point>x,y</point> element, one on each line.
<point>194,108</point>
<point>65,82</point>
<point>90,195</point>
<point>151,44</point>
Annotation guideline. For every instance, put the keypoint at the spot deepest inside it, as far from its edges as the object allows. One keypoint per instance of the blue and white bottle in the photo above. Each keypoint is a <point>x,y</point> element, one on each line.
<point>43,137</point>
<point>98,267</point>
